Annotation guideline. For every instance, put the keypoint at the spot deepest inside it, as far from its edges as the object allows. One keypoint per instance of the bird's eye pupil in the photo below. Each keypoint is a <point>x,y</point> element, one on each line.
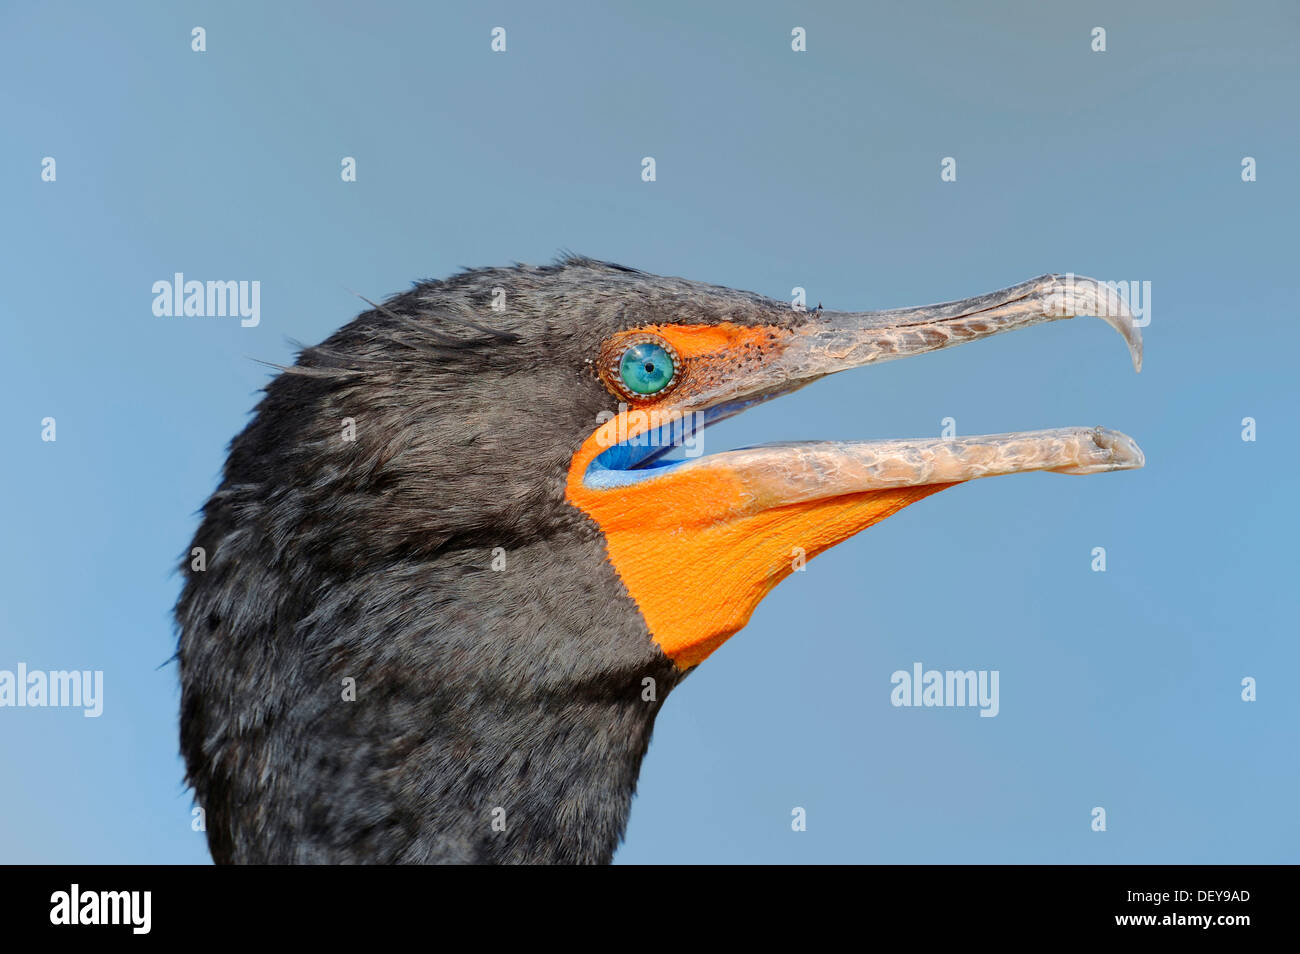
<point>646,368</point>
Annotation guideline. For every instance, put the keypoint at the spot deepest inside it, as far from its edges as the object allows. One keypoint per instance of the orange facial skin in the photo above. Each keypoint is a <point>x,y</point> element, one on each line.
<point>690,546</point>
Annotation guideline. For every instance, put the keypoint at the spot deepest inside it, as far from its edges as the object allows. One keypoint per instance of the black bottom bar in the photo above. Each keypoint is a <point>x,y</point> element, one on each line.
<point>214,905</point>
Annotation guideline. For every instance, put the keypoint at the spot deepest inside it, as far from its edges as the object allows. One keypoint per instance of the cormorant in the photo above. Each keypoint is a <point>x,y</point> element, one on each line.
<point>452,572</point>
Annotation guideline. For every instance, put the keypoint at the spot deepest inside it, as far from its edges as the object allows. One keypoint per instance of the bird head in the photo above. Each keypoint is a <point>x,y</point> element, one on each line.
<point>487,502</point>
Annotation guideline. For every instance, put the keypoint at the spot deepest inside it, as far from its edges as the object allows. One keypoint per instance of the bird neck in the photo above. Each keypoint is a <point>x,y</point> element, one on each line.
<point>439,711</point>
<point>535,779</point>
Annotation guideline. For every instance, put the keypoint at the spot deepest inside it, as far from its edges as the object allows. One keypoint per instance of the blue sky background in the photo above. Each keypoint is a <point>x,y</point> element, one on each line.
<point>775,169</point>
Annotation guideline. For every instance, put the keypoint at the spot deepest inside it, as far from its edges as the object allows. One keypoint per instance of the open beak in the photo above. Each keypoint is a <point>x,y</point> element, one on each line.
<point>836,341</point>
<point>683,533</point>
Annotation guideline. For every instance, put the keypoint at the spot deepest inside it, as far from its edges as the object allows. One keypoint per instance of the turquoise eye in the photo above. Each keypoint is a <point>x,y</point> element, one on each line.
<point>646,368</point>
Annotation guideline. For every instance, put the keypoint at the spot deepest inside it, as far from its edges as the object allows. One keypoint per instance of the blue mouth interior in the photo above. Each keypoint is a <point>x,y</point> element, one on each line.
<point>639,457</point>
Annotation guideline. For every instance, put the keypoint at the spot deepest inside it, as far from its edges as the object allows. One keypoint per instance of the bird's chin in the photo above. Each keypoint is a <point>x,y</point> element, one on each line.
<point>699,540</point>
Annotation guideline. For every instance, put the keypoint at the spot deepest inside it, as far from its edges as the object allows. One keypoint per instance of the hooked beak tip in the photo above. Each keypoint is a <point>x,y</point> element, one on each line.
<point>1074,295</point>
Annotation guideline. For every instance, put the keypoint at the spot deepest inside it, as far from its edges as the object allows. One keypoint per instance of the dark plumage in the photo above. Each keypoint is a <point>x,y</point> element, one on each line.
<point>476,690</point>
<point>501,714</point>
